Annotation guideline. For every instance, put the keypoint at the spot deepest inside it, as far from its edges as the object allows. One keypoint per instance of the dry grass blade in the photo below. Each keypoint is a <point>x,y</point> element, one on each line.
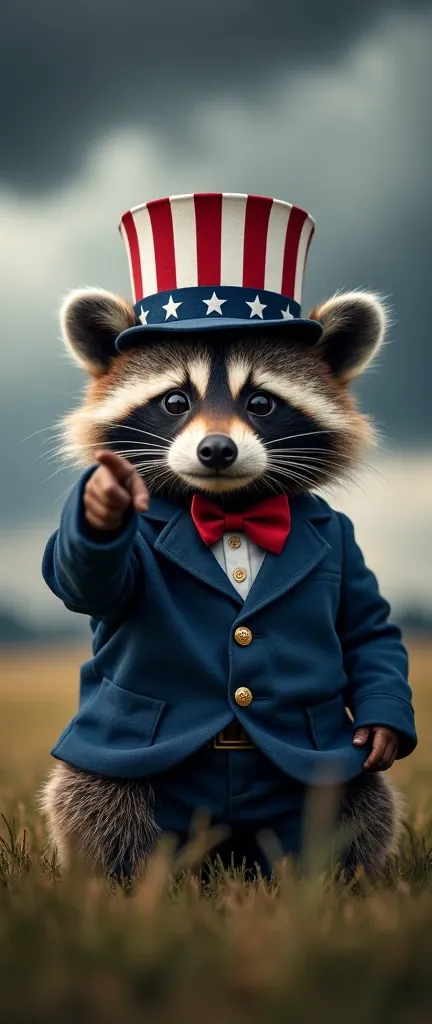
<point>180,946</point>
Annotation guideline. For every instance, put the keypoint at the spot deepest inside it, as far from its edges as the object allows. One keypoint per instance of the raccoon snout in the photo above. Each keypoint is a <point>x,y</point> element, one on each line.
<point>217,451</point>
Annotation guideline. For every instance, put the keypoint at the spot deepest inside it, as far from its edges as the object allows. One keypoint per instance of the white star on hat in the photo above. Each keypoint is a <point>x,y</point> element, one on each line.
<point>286,313</point>
<point>214,304</point>
<point>256,307</point>
<point>143,316</point>
<point>171,308</point>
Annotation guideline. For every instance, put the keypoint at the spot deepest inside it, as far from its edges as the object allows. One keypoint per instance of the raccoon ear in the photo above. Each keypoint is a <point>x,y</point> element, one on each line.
<point>354,325</point>
<point>91,319</point>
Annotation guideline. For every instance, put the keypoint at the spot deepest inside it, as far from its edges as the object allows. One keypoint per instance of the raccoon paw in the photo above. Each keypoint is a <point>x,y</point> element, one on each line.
<point>371,811</point>
<point>106,823</point>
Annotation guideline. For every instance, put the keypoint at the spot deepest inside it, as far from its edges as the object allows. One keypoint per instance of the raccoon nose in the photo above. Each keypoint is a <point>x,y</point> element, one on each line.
<point>217,451</point>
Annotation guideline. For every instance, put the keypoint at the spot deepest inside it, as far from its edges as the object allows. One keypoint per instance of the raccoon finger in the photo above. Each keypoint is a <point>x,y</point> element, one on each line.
<point>97,504</point>
<point>126,474</point>
<point>120,467</point>
<point>139,492</point>
<point>101,523</point>
<point>104,486</point>
<point>379,745</point>
<point>389,755</point>
<point>98,515</point>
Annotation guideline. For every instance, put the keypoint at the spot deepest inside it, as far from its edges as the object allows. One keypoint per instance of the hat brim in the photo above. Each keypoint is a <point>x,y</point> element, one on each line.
<point>308,331</point>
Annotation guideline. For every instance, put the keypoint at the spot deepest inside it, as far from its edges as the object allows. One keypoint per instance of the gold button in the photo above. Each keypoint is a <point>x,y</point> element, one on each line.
<point>243,636</point>
<point>234,542</point>
<point>239,575</point>
<point>243,696</point>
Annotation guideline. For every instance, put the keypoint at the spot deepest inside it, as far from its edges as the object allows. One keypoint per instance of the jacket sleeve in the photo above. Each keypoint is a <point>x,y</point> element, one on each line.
<point>91,571</point>
<point>375,659</point>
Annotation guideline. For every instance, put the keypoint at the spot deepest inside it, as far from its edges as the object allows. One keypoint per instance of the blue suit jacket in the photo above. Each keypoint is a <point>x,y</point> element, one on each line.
<point>165,663</point>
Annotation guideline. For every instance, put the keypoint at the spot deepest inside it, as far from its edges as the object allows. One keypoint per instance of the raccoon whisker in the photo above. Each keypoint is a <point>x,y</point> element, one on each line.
<point>36,432</point>
<point>294,471</point>
<point>267,478</point>
<point>159,479</point>
<point>143,451</point>
<point>148,464</point>
<point>162,467</point>
<point>327,490</point>
<point>295,478</point>
<point>141,463</point>
<point>256,483</point>
<point>329,458</point>
<point>292,456</point>
<point>333,461</point>
<point>315,463</point>
<point>60,469</point>
<point>308,433</point>
<point>98,444</point>
<point>314,480</point>
<point>139,451</point>
<point>52,454</point>
<point>51,457</point>
<point>55,437</point>
<point>292,474</point>
<point>319,464</point>
<point>137,430</point>
<point>64,492</point>
<point>305,452</point>
<point>59,442</point>
<point>142,444</point>
<point>302,453</point>
<point>301,477</point>
<point>345,476</point>
<point>306,448</point>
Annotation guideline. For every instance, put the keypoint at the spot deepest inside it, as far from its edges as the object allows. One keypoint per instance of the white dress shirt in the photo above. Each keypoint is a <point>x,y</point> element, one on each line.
<point>240,559</point>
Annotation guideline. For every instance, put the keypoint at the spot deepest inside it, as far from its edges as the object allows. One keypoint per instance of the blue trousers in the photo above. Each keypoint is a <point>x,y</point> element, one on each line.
<point>240,789</point>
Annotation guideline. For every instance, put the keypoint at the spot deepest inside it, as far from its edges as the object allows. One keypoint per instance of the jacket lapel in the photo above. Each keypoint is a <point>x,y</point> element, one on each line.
<point>304,549</point>
<point>180,542</point>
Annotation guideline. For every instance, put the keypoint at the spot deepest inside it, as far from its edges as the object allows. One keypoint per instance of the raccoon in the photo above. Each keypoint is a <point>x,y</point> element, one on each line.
<point>272,403</point>
<point>239,418</point>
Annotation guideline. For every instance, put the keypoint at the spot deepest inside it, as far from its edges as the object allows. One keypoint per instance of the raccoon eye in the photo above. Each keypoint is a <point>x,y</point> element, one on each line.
<point>176,403</point>
<point>260,404</point>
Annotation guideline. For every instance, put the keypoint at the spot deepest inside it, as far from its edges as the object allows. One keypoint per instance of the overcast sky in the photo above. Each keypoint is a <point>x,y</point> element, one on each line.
<point>108,105</point>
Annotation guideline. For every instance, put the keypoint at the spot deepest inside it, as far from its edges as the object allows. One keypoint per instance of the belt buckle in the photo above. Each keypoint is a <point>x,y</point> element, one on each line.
<point>221,743</point>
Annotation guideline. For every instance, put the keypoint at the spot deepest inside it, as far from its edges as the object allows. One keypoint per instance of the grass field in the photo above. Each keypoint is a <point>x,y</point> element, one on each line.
<point>76,950</point>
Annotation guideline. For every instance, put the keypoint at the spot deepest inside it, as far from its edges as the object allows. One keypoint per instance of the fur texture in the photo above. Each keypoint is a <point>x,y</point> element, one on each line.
<point>354,326</point>
<point>90,320</point>
<point>108,823</point>
<point>371,812</point>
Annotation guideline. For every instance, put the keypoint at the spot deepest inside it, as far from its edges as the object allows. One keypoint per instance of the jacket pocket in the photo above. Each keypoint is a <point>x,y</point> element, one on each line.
<point>120,719</point>
<point>328,721</point>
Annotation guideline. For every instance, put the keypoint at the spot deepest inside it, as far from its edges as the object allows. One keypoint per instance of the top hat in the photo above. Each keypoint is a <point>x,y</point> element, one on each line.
<point>217,260</point>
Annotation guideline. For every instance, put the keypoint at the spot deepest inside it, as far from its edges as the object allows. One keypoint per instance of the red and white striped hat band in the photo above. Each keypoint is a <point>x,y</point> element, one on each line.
<point>208,259</point>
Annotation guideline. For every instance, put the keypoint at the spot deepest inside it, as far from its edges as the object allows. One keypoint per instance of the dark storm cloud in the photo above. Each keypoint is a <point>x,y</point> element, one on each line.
<point>362,168</point>
<point>69,72</point>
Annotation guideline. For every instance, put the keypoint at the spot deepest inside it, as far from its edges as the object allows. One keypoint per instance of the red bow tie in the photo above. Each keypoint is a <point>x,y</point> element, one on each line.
<point>267,524</point>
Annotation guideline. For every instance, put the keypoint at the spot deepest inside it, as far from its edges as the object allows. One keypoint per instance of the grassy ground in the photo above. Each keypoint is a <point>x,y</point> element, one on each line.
<point>295,950</point>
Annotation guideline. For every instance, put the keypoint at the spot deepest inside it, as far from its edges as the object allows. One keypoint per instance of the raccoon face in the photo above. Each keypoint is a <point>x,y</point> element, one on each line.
<point>233,417</point>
